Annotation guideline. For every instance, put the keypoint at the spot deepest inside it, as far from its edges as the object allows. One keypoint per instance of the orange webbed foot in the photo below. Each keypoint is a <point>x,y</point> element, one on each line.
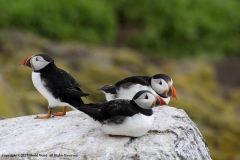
<point>45,117</point>
<point>61,113</point>
<point>42,117</point>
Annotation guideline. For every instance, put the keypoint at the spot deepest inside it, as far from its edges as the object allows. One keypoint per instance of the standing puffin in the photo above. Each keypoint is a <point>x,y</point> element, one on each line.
<point>55,84</point>
<point>159,84</point>
<point>123,117</point>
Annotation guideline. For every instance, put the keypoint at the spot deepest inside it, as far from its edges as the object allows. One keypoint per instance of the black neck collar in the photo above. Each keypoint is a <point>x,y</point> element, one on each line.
<point>147,112</point>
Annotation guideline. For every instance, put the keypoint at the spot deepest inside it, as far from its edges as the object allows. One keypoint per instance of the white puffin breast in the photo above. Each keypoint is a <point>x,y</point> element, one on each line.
<point>52,101</point>
<point>134,126</point>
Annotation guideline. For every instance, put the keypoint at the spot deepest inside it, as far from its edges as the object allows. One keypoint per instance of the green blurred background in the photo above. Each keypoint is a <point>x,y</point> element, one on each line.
<point>99,42</point>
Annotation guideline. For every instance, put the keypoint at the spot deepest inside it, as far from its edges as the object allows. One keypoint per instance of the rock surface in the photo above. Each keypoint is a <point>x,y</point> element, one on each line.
<point>173,136</point>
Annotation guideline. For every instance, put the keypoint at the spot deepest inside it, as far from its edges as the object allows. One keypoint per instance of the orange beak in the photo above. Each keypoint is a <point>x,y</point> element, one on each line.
<point>174,93</point>
<point>161,101</point>
<point>26,62</point>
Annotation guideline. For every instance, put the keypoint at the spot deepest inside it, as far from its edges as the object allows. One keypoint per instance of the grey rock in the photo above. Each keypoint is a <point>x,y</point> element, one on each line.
<point>173,136</point>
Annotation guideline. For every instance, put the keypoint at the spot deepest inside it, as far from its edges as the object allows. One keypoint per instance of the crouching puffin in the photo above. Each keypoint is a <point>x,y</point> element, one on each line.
<point>123,117</point>
<point>159,84</point>
<point>55,84</point>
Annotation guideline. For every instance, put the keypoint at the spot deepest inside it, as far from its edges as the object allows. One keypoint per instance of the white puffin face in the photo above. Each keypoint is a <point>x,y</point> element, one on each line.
<point>160,86</point>
<point>145,100</point>
<point>38,62</point>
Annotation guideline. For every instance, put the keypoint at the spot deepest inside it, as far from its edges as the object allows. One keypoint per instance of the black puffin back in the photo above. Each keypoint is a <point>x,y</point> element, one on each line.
<point>113,110</point>
<point>128,82</point>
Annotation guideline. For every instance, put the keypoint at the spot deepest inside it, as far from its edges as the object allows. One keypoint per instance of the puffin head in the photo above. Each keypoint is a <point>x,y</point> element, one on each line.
<point>146,100</point>
<point>163,85</point>
<point>37,62</point>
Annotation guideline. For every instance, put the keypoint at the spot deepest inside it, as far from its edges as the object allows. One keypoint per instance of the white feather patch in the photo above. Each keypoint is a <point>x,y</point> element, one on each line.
<point>134,126</point>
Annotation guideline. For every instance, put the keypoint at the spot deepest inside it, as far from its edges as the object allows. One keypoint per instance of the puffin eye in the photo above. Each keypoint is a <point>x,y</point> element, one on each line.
<point>36,59</point>
<point>160,82</point>
<point>146,97</point>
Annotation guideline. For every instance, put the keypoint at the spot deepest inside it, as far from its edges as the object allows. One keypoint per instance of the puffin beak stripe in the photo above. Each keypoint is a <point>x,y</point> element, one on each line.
<point>174,95</point>
<point>26,61</point>
<point>161,101</point>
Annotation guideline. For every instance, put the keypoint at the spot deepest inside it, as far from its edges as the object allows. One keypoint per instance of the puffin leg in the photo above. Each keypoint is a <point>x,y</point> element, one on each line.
<point>45,117</point>
<point>61,113</point>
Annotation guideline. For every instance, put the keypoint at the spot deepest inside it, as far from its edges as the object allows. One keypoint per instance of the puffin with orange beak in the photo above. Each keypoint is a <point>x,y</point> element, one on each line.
<point>55,84</point>
<point>159,84</point>
<point>123,117</point>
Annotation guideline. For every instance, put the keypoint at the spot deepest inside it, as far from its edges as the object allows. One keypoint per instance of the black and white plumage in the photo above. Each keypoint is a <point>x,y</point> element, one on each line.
<point>159,84</point>
<point>124,117</point>
<point>55,84</point>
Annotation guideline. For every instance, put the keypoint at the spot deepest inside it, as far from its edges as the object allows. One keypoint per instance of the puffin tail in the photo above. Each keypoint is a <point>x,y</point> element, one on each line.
<point>108,89</point>
<point>84,94</point>
<point>93,110</point>
<point>74,102</point>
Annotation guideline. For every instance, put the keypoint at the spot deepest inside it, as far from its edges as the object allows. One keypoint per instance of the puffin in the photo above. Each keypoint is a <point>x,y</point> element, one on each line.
<point>159,84</point>
<point>55,84</point>
<point>123,117</point>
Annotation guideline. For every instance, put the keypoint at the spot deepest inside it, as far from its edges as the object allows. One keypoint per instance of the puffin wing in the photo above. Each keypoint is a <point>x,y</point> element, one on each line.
<point>117,111</point>
<point>118,107</point>
<point>72,92</point>
<point>72,88</point>
<point>62,84</point>
<point>113,111</point>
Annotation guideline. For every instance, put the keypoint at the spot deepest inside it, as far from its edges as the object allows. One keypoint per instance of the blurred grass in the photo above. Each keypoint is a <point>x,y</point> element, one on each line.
<point>60,19</point>
<point>167,28</point>
<point>6,108</point>
<point>199,91</point>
